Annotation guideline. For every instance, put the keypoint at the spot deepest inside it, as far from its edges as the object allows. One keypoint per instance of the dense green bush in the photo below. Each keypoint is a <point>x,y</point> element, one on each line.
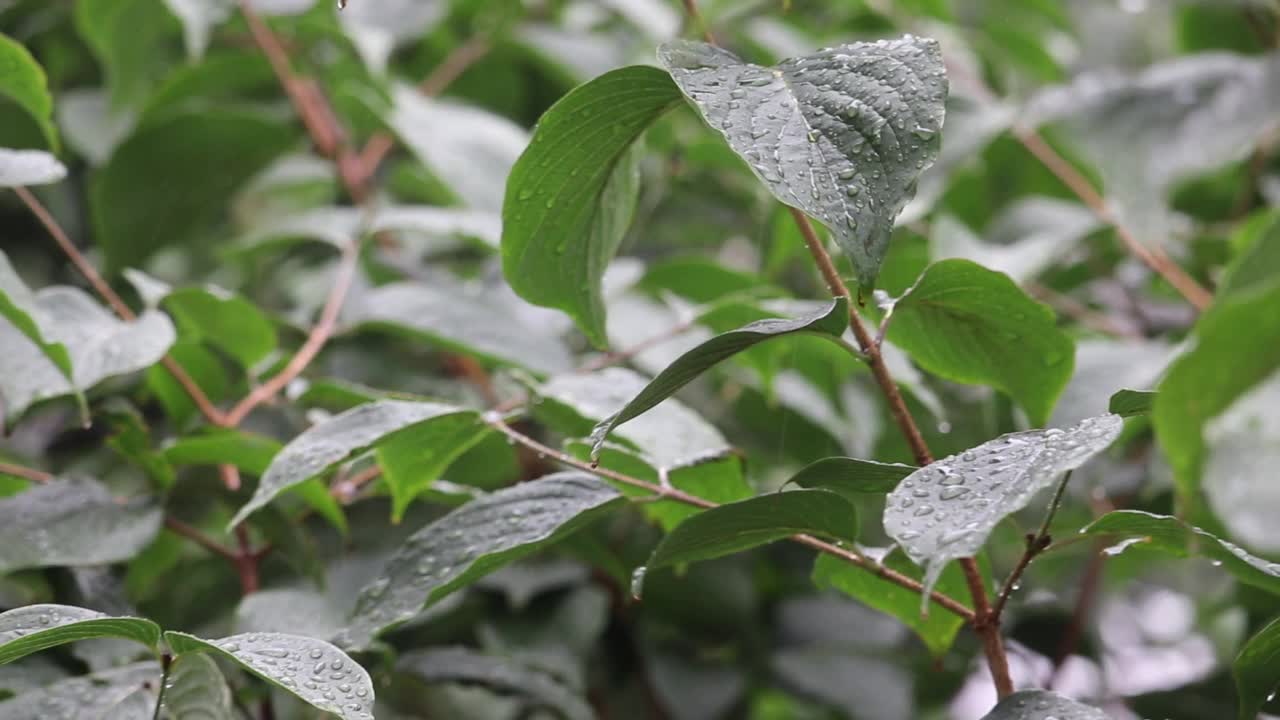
<point>535,359</point>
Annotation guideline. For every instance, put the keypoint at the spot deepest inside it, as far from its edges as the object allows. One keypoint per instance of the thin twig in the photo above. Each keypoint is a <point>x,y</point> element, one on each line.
<point>199,538</point>
<point>691,9</point>
<point>246,561</point>
<point>26,473</point>
<point>1037,543</point>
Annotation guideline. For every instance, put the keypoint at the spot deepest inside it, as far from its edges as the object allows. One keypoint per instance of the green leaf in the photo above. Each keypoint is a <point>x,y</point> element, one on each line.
<point>350,433</point>
<point>471,542</point>
<point>146,197</point>
<point>756,521</point>
<point>196,690</point>
<point>946,510</point>
<point>1257,261</point>
<point>1128,403</point>
<point>1237,346</point>
<point>572,193</point>
<point>1043,705</point>
<point>971,325</point>
<point>23,81</point>
<point>29,167</point>
<point>226,321</point>
<point>1257,670</point>
<point>411,461</point>
<point>536,687</point>
<point>72,522</point>
<point>203,366</point>
<point>131,41</point>
<point>850,477</point>
<point>830,321</point>
<point>247,451</point>
<point>1171,535</point>
<point>936,628</point>
<point>33,628</point>
<point>123,693</point>
<point>18,305</point>
<point>841,134</point>
<point>99,345</point>
<point>312,670</point>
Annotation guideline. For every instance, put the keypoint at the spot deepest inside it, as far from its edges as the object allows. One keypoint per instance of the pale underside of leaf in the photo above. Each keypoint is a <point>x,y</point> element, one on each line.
<point>29,167</point>
<point>463,665</point>
<point>1043,705</point>
<point>122,693</point>
<point>196,690</point>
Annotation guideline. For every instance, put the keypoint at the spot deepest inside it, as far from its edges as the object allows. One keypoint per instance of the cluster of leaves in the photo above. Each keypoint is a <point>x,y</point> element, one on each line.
<point>508,395</point>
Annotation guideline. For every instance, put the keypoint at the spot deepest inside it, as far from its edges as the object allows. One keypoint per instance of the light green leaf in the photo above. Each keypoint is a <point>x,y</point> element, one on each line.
<point>33,628</point>
<point>18,305</point>
<point>247,451</point>
<point>831,321</point>
<point>1043,705</point>
<point>1128,403</point>
<point>196,690</point>
<point>224,320</point>
<point>471,542</point>
<point>313,670</point>
<point>411,461</point>
<point>571,195</point>
<point>849,476</point>
<point>841,134</point>
<point>756,521</point>
<point>1171,535</point>
<point>117,694</point>
<point>972,325</point>
<point>29,167</point>
<point>72,522</point>
<point>536,687</point>
<point>946,510</point>
<point>350,433</point>
<point>1257,670</point>
<point>937,628</point>
<point>23,81</point>
<point>1257,261</point>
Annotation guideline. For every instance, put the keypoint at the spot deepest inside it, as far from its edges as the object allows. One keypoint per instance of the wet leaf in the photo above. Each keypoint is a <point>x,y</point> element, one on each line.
<point>123,693</point>
<point>23,81</point>
<point>196,690</point>
<point>504,675</point>
<point>224,320</point>
<point>1257,670</point>
<point>33,628</point>
<point>18,305</point>
<point>1128,403</point>
<point>29,167</point>
<point>849,476</point>
<point>1043,705</point>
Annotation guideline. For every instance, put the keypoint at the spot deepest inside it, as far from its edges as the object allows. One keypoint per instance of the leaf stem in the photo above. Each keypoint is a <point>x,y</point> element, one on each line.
<point>199,538</point>
<point>166,664</point>
<point>1037,543</point>
<point>26,473</point>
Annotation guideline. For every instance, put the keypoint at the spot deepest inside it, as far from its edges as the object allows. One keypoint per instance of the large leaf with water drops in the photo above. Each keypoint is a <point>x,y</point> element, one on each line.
<point>33,628</point>
<point>356,430</point>
<point>850,476</point>
<point>196,690</point>
<point>841,134</point>
<point>972,325</point>
<point>313,670</point>
<point>73,522</point>
<point>1257,670</point>
<point>535,687</point>
<point>1136,529</point>
<point>831,321</point>
<point>742,525</point>
<point>123,693</point>
<point>22,80</point>
<point>946,510</point>
<point>18,306</point>
<point>29,167</point>
<point>571,195</point>
<point>1043,705</point>
<point>471,542</point>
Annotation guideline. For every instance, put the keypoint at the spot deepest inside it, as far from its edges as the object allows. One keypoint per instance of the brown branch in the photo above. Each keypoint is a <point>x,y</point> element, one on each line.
<point>1037,543</point>
<point>26,473</point>
<point>691,9</point>
<point>246,562</point>
<point>199,538</point>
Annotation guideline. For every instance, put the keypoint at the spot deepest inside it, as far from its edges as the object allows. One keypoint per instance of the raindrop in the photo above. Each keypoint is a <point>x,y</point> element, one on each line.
<point>637,581</point>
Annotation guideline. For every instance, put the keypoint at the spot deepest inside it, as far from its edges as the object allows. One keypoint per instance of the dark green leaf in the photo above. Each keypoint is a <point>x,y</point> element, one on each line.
<point>225,320</point>
<point>247,451</point>
<point>1257,670</point>
<point>1128,403</point>
<point>22,80</point>
<point>200,364</point>
<point>946,510</point>
<point>745,524</point>
<point>472,541</point>
<point>1043,705</point>
<point>972,325</point>
<point>33,628</point>
<point>313,670</point>
<point>831,321</point>
<point>339,438</point>
<point>130,39</point>
<point>841,134</point>
<point>72,522</point>
<point>29,167</point>
<point>463,665</point>
<point>124,693</point>
<point>196,690</point>
<point>1257,261</point>
<point>849,476</point>
<point>571,195</point>
<point>1171,535</point>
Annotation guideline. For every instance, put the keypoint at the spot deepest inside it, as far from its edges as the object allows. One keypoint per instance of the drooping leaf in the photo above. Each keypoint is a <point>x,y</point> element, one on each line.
<point>831,321</point>
<point>841,134</point>
<point>1257,670</point>
<point>1043,705</point>
<point>937,628</point>
<point>226,321</point>
<point>972,325</point>
<point>1128,403</point>
<point>1171,535</point>
<point>849,476</point>
<point>313,670</point>
<point>946,510</point>
<point>472,541</point>
<point>23,81</point>
<point>319,448</point>
<point>18,305</point>
<point>29,167</point>
<point>33,628</point>
<point>756,521</point>
<point>123,693</point>
<point>571,195</point>
<point>196,690</point>
<point>146,197</point>
<point>72,522</point>
<point>411,461</point>
<point>99,346</point>
<point>536,687</point>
